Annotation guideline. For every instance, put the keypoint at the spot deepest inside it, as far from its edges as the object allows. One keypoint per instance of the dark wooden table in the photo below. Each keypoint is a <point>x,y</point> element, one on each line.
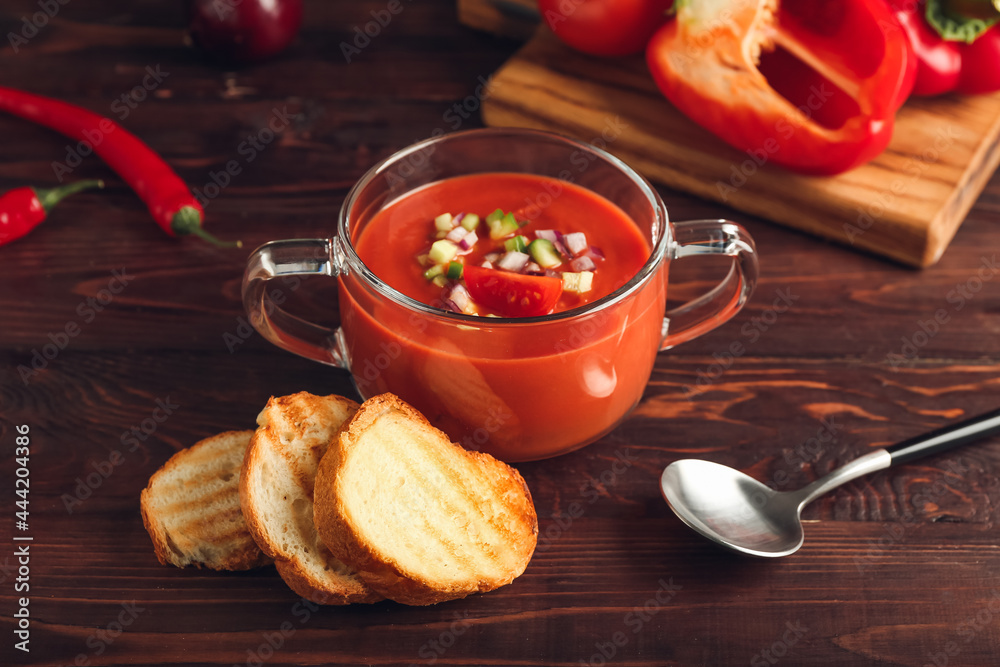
<point>901,568</point>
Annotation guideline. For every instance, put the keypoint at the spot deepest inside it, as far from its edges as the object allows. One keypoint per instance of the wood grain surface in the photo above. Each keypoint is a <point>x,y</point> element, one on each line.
<point>841,352</point>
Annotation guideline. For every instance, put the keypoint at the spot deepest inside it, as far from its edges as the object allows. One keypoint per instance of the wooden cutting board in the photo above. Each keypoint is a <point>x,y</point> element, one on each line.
<point>907,204</point>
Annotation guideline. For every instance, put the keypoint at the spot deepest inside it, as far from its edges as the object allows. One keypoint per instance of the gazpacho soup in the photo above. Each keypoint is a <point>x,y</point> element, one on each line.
<point>522,248</point>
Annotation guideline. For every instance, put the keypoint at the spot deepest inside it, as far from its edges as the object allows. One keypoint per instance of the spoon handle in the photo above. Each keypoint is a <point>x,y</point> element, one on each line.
<point>945,438</point>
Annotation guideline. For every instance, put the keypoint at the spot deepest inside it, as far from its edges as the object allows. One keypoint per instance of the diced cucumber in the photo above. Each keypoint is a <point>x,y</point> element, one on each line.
<point>470,221</point>
<point>454,270</point>
<point>578,282</point>
<point>444,222</point>
<point>494,216</point>
<point>442,251</point>
<point>545,253</point>
<point>502,227</point>
<point>440,281</point>
<point>434,272</point>
<point>518,244</point>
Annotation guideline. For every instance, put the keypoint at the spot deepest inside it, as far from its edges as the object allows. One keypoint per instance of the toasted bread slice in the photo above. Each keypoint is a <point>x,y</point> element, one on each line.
<point>191,507</point>
<point>421,519</point>
<point>276,493</point>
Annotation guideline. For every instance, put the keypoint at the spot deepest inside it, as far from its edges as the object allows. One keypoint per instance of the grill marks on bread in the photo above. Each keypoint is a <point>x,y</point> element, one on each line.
<point>352,503</point>
<point>191,507</point>
<point>422,519</point>
<point>276,494</point>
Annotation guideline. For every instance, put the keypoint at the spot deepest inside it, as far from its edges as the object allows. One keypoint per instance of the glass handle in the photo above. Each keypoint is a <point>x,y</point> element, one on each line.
<point>701,315</point>
<point>272,272</point>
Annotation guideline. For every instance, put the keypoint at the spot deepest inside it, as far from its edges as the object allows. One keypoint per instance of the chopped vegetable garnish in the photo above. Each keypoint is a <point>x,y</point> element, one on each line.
<point>518,243</point>
<point>578,282</point>
<point>444,222</point>
<point>442,251</point>
<point>459,299</point>
<point>470,221</point>
<point>576,243</point>
<point>511,273</point>
<point>513,261</point>
<point>544,252</point>
<point>457,234</point>
<point>502,227</point>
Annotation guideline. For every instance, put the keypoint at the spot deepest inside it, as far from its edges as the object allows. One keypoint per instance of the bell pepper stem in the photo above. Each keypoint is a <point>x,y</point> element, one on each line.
<point>49,197</point>
<point>188,221</point>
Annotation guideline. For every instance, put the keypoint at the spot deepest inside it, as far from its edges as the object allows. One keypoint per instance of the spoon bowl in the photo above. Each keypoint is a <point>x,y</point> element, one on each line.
<point>732,513</point>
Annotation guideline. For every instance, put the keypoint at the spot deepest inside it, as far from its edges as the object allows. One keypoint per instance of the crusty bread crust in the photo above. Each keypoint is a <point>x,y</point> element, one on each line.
<point>191,509</point>
<point>420,518</point>
<point>276,494</point>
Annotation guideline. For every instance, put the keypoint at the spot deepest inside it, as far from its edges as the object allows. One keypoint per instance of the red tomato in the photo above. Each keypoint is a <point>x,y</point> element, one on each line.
<point>512,294</point>
<point>981,64</point>
<point>605,27</point>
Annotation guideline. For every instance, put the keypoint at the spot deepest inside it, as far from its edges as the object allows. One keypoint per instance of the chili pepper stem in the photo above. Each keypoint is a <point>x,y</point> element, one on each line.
<point>188,221</point>
<point>49,197</point>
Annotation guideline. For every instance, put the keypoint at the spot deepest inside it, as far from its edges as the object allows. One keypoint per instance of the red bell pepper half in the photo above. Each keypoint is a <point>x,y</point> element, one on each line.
<point>957,44</point>
<point>812,85</point>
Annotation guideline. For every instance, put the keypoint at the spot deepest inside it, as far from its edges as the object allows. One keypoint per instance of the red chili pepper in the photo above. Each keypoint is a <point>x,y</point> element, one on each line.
<point>23,209</point>
<point>168,198</point>
<point>813,87</point>
<point>957,53</point>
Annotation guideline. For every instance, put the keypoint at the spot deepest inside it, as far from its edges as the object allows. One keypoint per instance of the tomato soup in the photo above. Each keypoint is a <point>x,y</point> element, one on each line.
<point>521,389</point>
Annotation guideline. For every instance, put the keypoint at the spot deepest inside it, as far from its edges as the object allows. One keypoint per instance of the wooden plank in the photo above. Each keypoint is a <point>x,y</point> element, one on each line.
<point>906,204</point>
<point>509,18</point>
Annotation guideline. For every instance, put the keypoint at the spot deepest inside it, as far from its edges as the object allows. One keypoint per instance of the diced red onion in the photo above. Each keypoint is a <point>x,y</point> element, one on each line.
<point>493,257</point>
<point>487,264</point>
<point>552,274</point>
<point>456,234</point>
<point>468,240</point>
<point>458,219</point>
<point>546,234</point>
<point>582,264</point>
<point>596,252</point>
<point>560,245</point>
<point>459,298</point>
<point>513,261</point>
<point>533,269</point>
<point>576,242</point>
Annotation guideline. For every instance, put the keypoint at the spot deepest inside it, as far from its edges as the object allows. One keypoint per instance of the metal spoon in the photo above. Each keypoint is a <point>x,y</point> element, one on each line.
<point>739,512</point>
